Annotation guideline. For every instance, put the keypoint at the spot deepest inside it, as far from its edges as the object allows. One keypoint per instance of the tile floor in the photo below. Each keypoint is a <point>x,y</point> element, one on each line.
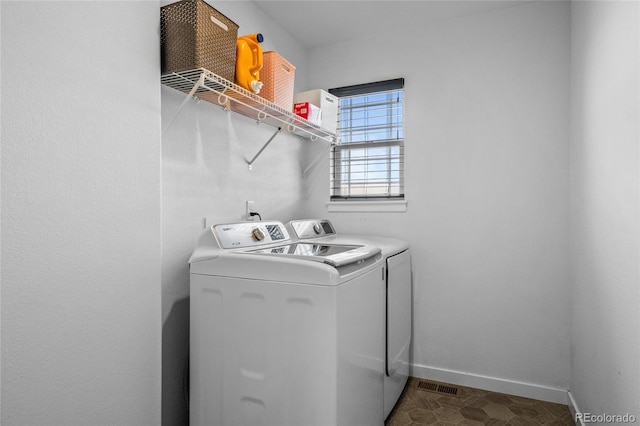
<point>473,407</point>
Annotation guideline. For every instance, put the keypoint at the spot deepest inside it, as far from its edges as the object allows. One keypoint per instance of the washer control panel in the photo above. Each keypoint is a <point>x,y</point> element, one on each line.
<point>249,234</point>
<point>312,228</point>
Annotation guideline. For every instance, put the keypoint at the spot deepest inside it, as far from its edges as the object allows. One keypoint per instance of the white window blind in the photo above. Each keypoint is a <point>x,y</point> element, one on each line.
<point>368,162</point>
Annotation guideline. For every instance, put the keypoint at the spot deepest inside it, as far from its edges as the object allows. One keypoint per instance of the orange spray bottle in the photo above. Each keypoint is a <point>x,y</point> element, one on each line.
<point>249,62</point>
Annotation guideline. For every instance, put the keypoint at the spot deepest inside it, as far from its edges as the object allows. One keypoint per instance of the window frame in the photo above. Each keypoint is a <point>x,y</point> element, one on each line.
<point>391,201</point>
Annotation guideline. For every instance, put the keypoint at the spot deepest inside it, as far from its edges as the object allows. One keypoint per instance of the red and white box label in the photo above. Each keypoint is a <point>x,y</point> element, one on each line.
<point>309,112</point>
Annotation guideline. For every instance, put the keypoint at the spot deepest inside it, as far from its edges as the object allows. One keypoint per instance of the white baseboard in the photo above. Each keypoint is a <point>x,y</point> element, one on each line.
<point>573,408</point>
<point>510,387</point>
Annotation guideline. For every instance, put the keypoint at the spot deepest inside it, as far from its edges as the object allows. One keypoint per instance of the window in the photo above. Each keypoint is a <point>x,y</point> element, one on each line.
<point>368,162</point>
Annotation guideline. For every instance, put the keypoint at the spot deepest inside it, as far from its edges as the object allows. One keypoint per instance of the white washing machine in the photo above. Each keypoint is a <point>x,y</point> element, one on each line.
<point>285,333</point>
<point>398,297</point>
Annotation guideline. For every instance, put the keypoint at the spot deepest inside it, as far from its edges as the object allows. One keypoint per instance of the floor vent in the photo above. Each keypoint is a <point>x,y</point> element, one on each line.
<point>441,388</point>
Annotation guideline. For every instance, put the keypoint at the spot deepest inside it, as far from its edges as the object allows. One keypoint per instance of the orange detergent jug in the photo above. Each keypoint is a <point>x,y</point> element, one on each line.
<point>249,62</point>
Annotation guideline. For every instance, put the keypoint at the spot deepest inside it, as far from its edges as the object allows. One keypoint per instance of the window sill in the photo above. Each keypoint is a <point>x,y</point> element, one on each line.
<point>387,206</point>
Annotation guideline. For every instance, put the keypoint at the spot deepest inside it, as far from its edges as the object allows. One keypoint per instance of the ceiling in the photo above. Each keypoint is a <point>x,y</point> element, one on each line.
<point>319,22</point>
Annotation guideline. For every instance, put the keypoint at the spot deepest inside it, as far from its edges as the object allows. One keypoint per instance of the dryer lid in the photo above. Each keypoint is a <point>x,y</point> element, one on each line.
<point>336,255</point>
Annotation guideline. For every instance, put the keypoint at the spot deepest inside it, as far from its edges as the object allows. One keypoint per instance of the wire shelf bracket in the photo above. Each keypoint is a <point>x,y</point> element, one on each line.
<point>250,163</point>
<point>316,161</point>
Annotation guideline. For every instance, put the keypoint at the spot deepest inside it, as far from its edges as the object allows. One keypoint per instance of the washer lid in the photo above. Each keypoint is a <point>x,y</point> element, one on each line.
<point>336,255</point>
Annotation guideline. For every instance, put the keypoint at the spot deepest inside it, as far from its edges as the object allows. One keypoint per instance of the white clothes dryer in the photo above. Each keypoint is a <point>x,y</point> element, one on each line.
<point>285,333</point>
<point>398,297</point>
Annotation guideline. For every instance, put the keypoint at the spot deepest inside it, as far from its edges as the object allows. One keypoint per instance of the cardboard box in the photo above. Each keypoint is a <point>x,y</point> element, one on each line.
<point>327,102</point>
<point>309,112</point>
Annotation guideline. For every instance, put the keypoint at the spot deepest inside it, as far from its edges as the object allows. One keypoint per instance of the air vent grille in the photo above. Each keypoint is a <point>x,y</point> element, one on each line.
<point>436,387</point>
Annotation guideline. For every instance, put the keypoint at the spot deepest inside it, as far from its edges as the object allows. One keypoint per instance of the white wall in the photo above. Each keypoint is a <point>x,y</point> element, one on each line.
<point>605,204</point>
<point>81,318</point>
<point>205,175</point>
<point>85,287</point>
<point>487,113</point>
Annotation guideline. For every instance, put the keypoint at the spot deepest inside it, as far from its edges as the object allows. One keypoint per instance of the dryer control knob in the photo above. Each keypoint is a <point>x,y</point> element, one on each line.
<point>257,234</point>
<point>316,228</point>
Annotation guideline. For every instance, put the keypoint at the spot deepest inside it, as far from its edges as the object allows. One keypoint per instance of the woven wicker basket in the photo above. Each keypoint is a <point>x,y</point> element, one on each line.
<point>195,35</point>
<point>278,77</point>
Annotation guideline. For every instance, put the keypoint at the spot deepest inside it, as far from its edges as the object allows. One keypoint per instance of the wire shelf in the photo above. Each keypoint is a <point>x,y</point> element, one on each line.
<point>205,85</point>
